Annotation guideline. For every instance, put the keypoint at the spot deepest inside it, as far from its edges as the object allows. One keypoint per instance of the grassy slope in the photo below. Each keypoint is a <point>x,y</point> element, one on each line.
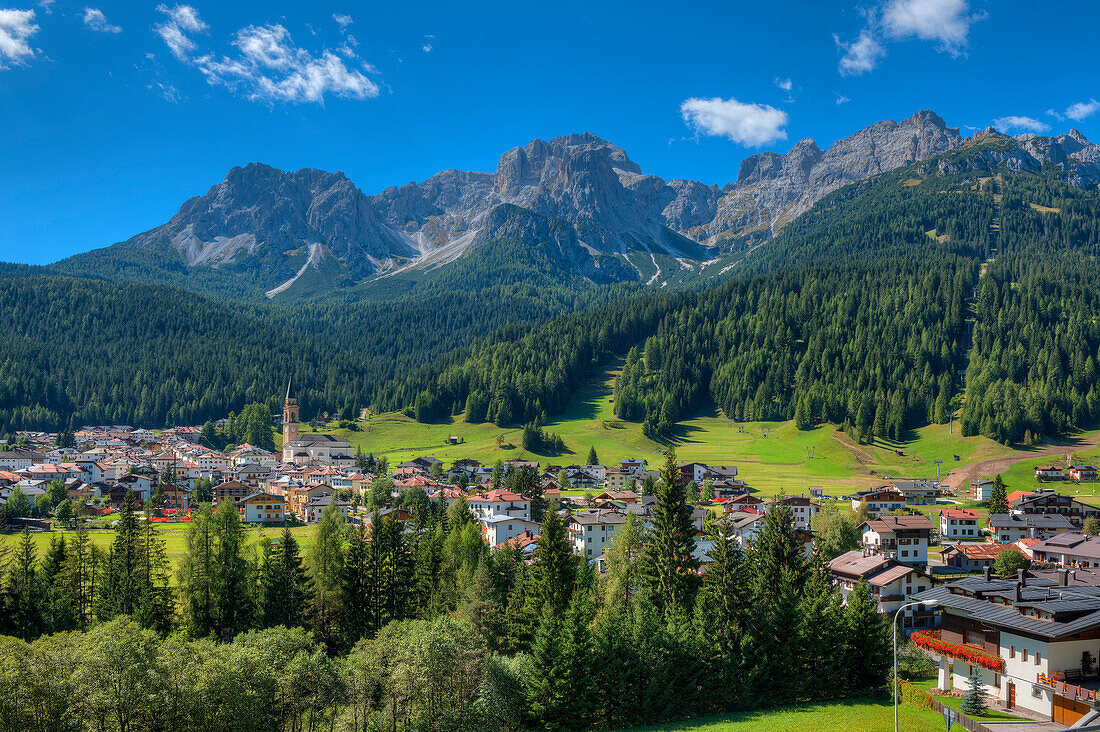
<point>175,538</point>
<point>858,714</point>
<point>772,464</point>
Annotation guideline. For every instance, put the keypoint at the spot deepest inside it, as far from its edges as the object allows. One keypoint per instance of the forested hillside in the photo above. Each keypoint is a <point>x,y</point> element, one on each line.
<point>862,312</point>
<point>84,351</point>
<point>856,314</point>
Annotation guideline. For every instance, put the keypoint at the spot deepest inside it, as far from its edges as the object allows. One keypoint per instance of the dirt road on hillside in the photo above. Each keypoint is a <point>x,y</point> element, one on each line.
<point>997,465</point>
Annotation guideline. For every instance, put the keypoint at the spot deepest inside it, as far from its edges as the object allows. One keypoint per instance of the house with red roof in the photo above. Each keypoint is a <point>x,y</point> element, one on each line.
<point>959,523</point>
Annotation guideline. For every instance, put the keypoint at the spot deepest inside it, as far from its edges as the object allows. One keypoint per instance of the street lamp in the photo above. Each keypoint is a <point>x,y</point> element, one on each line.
<point>926,603</point>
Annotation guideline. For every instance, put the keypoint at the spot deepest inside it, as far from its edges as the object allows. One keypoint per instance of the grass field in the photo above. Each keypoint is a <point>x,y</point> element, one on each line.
<point>866,715</point>
<point>991,715</point>
<point>772,457</point>
<point>175,538</point>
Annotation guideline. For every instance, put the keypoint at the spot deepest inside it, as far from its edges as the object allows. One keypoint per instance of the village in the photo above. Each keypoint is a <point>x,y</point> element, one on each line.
<point>1030,626</point>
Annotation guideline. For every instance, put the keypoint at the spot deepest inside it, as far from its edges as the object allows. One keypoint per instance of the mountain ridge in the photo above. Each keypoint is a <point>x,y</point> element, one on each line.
<point>255,232</point>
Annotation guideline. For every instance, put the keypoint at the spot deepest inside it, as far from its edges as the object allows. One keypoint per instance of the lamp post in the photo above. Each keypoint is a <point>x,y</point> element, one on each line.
<point>894,628</point>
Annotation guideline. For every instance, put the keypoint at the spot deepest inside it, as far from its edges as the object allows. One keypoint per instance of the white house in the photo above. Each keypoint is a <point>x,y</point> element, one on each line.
<point>903,537</point>
<point>1030,635</point>
<point>959,523</point>
<point>592,530</point>
<point>499,529</point>
<point>500,502</point>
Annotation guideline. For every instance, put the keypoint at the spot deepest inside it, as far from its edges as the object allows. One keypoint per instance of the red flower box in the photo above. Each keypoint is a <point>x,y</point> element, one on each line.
<point>930,640</point>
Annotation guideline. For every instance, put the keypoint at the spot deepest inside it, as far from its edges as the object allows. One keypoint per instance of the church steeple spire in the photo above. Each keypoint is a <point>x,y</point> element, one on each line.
<point>290,417</point>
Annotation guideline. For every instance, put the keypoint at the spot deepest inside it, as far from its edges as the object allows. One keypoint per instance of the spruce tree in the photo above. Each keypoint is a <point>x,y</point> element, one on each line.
<point>867,649</point>
<point>554,570</point>
<point>359,588</point>
<point>232,580</point>
<point>777,570</point>
<point>283,584</point>
<point>24,593</point>
<point>668,566</point>
<point>77,577</point>
<point>396,569</point>
<point>974,703</point>
<point>592,458</point>
<point>621,578</point>
<point>822,633</point>
<point>998,498</point>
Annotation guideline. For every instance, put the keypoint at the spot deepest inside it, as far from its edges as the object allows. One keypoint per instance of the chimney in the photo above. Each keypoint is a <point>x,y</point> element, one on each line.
<point>1021,577</point>
<point>987,571</point>
<point>1016,587</point>
<point>1063,577</point>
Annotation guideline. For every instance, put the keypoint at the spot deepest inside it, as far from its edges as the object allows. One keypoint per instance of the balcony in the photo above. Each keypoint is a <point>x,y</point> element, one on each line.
<point>930,640</point>
<point>1082,690</point>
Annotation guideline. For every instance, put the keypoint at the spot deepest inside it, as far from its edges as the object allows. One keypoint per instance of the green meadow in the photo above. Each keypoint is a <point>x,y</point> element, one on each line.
<point>174,535</point>
<point>772,457</point>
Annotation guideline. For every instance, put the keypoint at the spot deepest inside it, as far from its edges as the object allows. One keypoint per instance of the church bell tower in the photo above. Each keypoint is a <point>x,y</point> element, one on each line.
<point>290,418</point>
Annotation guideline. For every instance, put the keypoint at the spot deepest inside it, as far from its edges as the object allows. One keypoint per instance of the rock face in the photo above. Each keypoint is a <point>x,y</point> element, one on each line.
<point>579,199</point>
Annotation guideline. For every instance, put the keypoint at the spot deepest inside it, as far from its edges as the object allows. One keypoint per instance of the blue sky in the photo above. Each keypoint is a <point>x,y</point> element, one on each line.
<point>113,113</point>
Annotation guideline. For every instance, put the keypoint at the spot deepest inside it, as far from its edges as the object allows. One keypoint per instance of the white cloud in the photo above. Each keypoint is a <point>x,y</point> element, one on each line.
<point>182,19</point>
<point>1080,110</point>
<point>946,21</point>
<point>1018,122</point>
<point>97,21</point>
<point>47,6</point>
<point>747,124</point>
<point>861,55</point>
<point>426,48</point>
<point>269,67</point>
<point>343,20</point>
<point>841,99</point>
<point>16,26</point>
<point>784,84</point>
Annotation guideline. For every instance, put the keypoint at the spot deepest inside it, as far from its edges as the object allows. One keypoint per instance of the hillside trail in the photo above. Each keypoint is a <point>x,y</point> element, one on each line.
<point>997,465</point>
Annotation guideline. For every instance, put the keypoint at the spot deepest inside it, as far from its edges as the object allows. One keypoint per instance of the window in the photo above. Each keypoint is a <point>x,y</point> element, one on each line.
<point>1038,658</point>
<point>1012,651</point>
<point>1023,654</point>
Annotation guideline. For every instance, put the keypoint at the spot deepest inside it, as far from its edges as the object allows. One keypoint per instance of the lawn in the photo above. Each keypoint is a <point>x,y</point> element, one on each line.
<point>956,703</point>
<point>772,457</point>
<point>175,538</point>
<point>866,715</point>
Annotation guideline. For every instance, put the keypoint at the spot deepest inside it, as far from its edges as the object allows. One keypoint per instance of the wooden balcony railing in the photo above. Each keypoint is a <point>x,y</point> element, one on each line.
<point>1069,691</point>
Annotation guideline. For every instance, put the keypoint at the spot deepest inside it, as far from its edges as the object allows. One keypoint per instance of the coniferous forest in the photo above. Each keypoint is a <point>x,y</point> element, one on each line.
<point>866,312</point>
<point>425,629</point>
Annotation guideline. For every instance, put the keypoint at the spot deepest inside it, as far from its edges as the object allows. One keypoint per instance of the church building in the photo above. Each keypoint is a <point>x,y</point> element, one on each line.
<point>311,448</point>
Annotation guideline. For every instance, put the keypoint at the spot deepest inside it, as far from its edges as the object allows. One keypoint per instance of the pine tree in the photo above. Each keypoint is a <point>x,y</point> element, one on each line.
<point>359,589</point>
<point>592,458</point>
<point>998,499</point>
<point>283,594</point>
<point>974,703</point>
<point>554,570</point>
<point>668,567</point>
<point>156,606</point>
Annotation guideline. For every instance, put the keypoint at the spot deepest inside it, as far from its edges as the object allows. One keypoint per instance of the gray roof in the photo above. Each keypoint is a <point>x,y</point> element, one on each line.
<point>1072,544</point>
<point>1079,607</point>
<point>1032,520</point>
